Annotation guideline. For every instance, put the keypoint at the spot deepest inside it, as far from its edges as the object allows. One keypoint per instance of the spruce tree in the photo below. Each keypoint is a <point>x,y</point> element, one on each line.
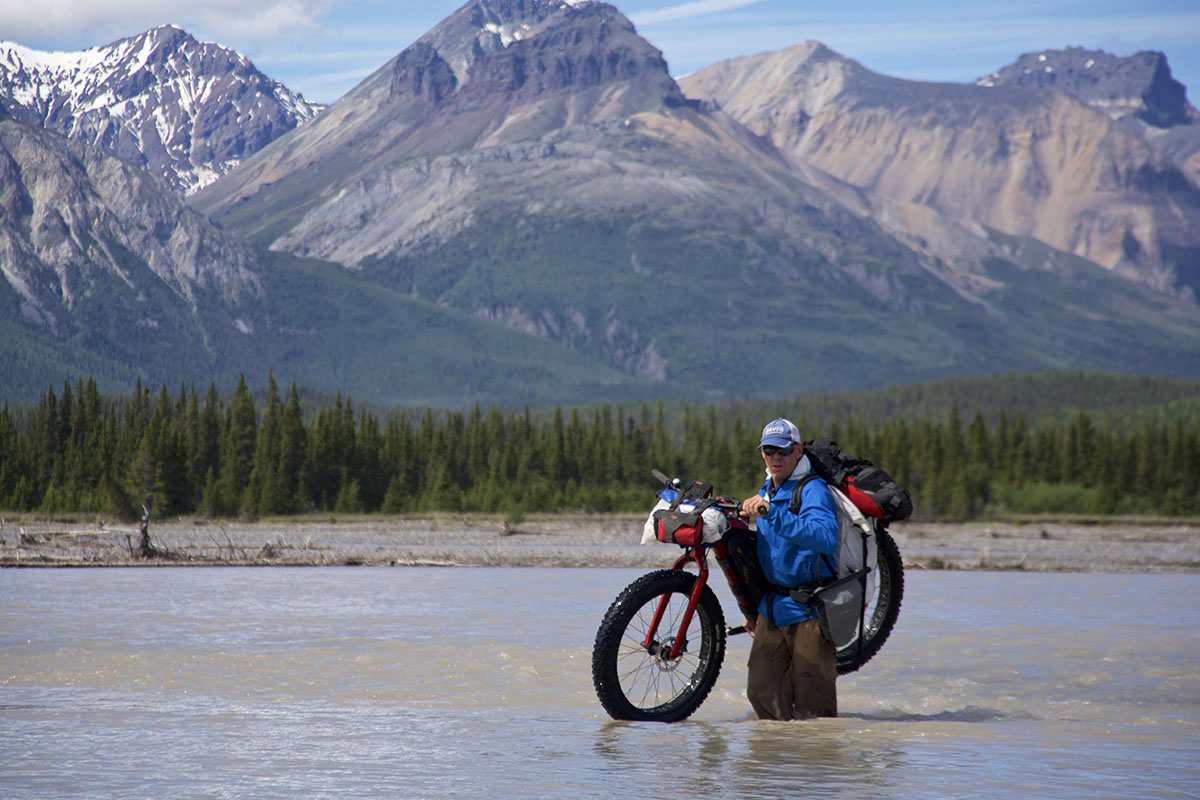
<point>265,494</point>
<point>292,447</point>
<point>237,449</point>
<point>370,476</point>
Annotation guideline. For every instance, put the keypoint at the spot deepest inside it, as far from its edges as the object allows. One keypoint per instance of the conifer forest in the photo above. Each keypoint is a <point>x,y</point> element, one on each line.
<point>962,454</point>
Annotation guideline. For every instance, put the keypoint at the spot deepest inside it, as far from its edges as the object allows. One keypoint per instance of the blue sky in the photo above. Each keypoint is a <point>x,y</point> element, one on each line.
<point>322,48</point>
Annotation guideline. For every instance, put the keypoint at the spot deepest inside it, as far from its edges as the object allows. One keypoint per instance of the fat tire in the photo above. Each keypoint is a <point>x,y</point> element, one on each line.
<point>882,617</point>
<point>663,691</point>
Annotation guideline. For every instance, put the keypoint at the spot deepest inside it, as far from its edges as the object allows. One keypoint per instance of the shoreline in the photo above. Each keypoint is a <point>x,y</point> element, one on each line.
<point>570,540</point>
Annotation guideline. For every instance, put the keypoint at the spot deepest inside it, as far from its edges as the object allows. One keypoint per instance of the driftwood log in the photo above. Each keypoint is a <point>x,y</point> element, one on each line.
<point>145,547</point>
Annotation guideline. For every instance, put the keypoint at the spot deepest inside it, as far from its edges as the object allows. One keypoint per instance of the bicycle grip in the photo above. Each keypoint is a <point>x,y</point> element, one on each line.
<point>665,480</point>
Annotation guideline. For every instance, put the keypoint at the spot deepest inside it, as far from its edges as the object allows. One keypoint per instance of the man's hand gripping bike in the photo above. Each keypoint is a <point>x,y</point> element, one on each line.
<point>660,645</point>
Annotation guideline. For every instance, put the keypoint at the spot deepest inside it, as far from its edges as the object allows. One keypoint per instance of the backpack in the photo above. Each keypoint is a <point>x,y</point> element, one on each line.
<point>859,489</point>
<point>872,490</point>
<point>840,603</point>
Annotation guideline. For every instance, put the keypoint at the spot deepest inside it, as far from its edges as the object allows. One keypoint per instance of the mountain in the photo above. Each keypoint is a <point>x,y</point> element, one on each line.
<point>524,207</point>
<point>1023,161</point>
<point>186,111</point>
<point>494,78</point>
<point>104,267</point>
<point>74,216</point>
<point>1139,85</point>
<point>107,273</point>
<point>533,163</point>
<point>1138,90</point>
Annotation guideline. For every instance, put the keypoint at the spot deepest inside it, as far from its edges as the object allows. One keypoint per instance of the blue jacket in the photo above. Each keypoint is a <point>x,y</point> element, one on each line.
<point>790,545</point>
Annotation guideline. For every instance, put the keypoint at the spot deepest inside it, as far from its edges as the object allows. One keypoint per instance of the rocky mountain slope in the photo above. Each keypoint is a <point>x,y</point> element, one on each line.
<point>74,216</point>
<point>107,273</point>
<point>534,164</point>
<point>1022,161</point>
<point>1136,89</point>
<point>186,111</point>
<point>493,78</point>
<point>104,267</point>
<point>1139,85</point>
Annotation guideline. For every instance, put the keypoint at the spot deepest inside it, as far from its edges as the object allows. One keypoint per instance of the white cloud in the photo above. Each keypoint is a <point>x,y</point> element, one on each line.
<point>65,20</point>
<point>687,10</point>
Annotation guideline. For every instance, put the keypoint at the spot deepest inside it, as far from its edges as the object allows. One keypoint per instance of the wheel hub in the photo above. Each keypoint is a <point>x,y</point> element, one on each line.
<point>660,651</point>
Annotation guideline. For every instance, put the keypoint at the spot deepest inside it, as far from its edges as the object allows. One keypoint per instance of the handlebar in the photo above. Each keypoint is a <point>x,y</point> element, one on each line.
<point>726,504</point>
<point>670,483</point>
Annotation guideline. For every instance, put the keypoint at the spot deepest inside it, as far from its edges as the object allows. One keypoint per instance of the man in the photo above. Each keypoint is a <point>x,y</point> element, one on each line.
<point>792,666</point>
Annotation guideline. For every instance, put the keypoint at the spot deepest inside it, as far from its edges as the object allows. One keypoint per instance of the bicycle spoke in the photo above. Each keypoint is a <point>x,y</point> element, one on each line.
<point>651,678</point>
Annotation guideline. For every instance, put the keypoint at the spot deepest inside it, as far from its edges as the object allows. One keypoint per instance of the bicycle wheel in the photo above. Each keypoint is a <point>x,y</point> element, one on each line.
<point>882,608</point>
<point>639,682</point>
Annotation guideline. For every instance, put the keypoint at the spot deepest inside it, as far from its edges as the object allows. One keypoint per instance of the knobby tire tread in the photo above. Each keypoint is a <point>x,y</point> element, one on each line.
<point>708,623</point>
<point>848,658</point>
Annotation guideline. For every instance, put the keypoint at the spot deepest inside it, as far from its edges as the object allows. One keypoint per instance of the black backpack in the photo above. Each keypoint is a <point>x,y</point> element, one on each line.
<point>871,489</point>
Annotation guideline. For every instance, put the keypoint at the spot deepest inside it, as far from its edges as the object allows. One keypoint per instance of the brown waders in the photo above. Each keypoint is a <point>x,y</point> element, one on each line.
<point>792,671</point>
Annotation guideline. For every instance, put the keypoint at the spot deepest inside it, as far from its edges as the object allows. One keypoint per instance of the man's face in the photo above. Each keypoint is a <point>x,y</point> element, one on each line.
<point>780,463</point>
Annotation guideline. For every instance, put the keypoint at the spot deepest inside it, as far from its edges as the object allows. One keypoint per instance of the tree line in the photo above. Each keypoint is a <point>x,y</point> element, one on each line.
<point>180,454</point>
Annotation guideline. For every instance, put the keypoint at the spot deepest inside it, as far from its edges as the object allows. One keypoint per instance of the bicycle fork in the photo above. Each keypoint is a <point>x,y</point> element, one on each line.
<point>693,554</point>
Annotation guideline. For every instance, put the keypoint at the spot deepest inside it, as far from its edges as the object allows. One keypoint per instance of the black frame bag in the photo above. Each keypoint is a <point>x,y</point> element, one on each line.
<point>742,549</point>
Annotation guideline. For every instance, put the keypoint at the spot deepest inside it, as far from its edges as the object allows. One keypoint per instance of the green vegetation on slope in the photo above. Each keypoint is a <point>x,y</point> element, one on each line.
<point>316,324</point>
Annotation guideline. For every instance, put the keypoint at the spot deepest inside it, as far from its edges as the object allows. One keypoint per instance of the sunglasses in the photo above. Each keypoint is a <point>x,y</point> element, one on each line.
<point>770,450</point>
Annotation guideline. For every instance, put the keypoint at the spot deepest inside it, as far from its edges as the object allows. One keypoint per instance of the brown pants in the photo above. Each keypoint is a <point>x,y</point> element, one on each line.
<point>792,672</point>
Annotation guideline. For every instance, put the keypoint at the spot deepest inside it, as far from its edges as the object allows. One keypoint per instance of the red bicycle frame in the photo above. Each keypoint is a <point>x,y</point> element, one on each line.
<point>700,556</point>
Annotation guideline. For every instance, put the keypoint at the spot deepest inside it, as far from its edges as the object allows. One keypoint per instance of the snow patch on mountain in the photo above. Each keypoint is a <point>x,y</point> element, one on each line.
<point>184,110</point>
<point>508,33</point>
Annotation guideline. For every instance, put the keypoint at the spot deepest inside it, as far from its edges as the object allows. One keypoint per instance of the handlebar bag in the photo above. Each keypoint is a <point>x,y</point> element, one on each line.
<point>673,525</point>
<point>679,527</point>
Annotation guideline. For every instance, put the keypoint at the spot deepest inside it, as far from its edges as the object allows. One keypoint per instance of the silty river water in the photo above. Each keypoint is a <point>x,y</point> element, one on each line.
<point>409,682</point>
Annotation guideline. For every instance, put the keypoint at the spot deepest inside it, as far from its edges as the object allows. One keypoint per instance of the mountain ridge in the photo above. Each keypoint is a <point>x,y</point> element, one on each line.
<point>416,105</point>
<point>72,215</point>
<point>1025,162</point>
<point>186,111</point>
<point>1137,90</point>
<point>1138,85</point>
<point>524,206</point>
<point>659,157</point>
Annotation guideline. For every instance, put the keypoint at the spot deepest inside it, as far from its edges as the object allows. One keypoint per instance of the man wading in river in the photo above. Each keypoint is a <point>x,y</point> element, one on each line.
<point>792,666</point>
